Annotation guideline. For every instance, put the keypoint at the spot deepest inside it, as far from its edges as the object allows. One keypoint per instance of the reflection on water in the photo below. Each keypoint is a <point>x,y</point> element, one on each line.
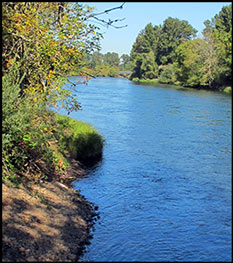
<point>163,186</point>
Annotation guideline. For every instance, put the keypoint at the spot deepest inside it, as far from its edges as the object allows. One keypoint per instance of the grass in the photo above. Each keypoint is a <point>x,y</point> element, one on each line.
<point>79,139</point>
<point>152,81</point>
<point>228,90</point>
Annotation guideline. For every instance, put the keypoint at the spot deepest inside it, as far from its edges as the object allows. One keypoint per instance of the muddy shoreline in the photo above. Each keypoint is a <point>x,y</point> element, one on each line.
<point>48,221</point>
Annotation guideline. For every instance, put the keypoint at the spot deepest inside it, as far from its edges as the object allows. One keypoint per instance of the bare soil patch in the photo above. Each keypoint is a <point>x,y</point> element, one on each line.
<point>45,222</point>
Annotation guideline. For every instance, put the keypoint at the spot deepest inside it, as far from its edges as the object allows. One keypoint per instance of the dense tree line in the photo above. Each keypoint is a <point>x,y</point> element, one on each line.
<point>172,54</point>
<point>106,65</point>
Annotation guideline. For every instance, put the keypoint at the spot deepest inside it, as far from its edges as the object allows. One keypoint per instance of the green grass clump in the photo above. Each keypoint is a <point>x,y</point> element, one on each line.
<point>78,139</point>
<point>151,81</point>
<point>228,90</point>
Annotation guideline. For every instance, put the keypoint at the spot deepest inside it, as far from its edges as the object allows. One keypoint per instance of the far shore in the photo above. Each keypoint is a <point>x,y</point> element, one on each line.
<point>224,88</point>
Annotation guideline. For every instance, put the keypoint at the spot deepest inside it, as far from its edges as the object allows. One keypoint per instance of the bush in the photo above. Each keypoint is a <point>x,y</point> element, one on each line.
<point>26,128</point>
<point>35,141</point>
<point>168,74</point>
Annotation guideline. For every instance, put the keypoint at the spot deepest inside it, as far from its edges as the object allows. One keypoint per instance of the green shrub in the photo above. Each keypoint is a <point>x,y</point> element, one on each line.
<point>15,122</point>
<point>26,129</point>
<point>168,74</point>
<point>35,141</point>
<point>227,89</point>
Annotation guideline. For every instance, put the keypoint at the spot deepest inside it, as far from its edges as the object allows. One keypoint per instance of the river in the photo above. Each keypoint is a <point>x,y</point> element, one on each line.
<point>163,186</point>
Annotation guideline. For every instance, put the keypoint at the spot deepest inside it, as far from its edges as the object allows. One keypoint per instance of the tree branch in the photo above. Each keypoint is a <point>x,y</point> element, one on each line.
<point>109,22</point>
<point>109,10</point>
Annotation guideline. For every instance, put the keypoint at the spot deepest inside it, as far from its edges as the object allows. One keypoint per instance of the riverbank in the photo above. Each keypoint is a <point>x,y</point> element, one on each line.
<point>225,89</point>
<point>47,220</point>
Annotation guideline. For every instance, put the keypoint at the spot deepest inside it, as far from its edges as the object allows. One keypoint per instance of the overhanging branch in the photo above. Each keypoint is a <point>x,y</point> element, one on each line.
<point>109,22</point>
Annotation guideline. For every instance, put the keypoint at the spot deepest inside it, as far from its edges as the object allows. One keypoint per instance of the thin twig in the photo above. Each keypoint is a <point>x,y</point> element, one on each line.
<point>108,23</point>
<point>108,10</point>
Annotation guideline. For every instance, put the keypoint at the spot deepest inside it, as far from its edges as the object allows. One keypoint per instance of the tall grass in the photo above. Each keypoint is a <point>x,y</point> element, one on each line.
<point>78,139</point>
<point>151,81</point>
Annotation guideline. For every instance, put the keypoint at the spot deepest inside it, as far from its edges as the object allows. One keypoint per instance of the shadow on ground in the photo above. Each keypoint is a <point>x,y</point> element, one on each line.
<point>48,222</point>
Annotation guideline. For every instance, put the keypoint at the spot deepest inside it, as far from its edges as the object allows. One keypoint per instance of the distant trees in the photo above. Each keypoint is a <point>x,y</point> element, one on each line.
<point>109,64</point>
<point>171,52</point>
<point>125,62</point>
<point>208,61</point>
<point>96,59</point>
<point>112,59</point>
<point>98,64</point>
<point>156,46</point>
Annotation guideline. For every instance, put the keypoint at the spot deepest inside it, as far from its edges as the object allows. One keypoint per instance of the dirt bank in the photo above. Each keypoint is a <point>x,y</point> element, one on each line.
<point>46,222</point>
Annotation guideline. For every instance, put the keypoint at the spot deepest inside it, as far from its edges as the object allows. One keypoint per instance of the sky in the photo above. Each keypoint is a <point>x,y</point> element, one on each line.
<point>138,14</point>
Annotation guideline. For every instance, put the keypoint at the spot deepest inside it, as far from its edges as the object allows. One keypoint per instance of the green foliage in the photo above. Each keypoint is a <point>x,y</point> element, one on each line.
<point>146,41</point>
<point>173,33</point>
<point>168,74</point>
<point>181,59</point>
<point>223,40</point>
<point>156,46</point>
<point>102,70</point>
<point>207,62</point>
<point>42,43</point>
<point>227,90</point>
<point>149,68</point>
<point>125,62</point>
<point>31,134</point>
<point>145,66</point>
<point>148,81</point>
<point>111,59</point>
<point>189,63</point>
<point>47,40</point>
<point>95,59</point>
<point>105,65</point>
<point>113,71</point>
<point>25,127</point>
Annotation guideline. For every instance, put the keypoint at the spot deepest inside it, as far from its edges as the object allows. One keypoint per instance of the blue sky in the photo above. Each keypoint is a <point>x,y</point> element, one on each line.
<point>138,14</point>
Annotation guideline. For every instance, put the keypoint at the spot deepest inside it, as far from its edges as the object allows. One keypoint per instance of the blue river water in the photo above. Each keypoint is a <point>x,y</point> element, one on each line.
<point>164,184</point>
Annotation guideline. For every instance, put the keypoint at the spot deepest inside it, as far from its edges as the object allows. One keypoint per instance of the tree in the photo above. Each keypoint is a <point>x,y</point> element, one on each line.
<point>46,43</point>
<point>151,36</point>
<point>149,68</point>
<point>96,59</point>
<point>173,33</point>
<point>146,41</point>
<point>112,59</point>
<point>210,54</point>
<point>141,45</point>
<point>143,53</point>
<point>218,51</point>
<point>168,74</point>
<point>42,42</point>
<point>162,41</point>
<point>145,66</point>
<point>191,59</point>
<point>223,35</point>
<point>125,60</point>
